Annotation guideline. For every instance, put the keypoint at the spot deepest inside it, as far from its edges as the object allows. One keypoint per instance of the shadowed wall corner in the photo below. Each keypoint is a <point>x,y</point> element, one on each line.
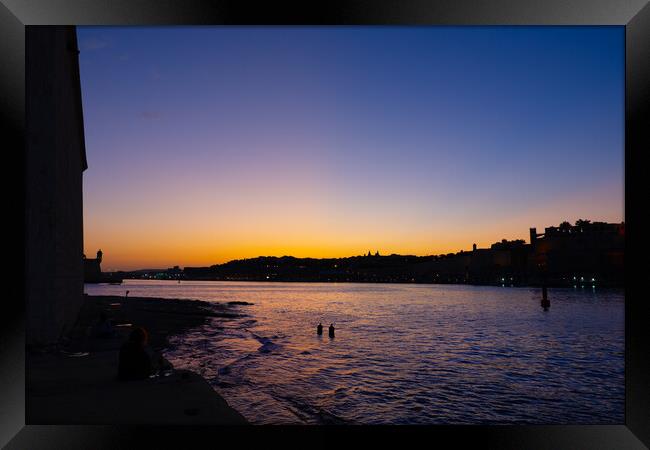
<point>56,159</point>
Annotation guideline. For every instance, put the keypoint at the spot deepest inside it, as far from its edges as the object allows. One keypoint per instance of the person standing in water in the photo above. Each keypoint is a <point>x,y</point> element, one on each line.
<point>545,301</point>
<point>331,330</point>
<point>319,329</point>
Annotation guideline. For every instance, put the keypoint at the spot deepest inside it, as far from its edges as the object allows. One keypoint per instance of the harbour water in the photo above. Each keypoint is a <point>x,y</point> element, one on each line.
<point>405,353</point>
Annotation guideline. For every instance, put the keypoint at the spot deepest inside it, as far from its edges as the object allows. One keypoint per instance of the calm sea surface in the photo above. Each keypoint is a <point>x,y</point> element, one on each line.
<point>405,354</point>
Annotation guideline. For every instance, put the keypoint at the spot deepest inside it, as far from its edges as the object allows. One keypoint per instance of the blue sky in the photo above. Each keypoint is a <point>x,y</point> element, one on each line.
<point>323,140</point>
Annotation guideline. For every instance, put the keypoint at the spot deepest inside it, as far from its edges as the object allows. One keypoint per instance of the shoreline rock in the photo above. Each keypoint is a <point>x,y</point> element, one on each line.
<point>76,382</point>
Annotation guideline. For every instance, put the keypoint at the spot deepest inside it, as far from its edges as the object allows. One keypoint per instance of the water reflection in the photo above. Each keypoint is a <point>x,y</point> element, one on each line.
<point>407,353</point>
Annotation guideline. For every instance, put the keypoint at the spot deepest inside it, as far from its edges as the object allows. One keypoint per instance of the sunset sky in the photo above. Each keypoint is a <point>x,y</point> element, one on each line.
<point>206,144</point>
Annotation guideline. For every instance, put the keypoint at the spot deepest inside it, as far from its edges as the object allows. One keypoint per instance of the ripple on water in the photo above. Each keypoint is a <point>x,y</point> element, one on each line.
<point>406,353</point>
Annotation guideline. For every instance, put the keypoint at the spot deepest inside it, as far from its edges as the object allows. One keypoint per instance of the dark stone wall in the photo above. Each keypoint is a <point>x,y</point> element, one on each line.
<point>55,161</point>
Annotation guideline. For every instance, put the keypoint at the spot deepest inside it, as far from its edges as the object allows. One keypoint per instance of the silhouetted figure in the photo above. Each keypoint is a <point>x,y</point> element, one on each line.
<point>319,329</point>
<point>135,362</point>
<point>126,295</point>
<point>331,330</point>
<point>104,327</point>
<point>546,303</point>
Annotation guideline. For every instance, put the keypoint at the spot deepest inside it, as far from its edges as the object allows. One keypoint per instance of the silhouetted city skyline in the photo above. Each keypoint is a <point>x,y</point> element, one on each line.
<point>586,253</point>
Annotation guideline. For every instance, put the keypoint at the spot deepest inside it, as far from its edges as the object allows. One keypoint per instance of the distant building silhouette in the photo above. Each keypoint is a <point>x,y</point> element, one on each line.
<point>585,253</point>
<point>93,271</point>
<point>533,237</point>
<point>592,250</point>
<point>92,268</point>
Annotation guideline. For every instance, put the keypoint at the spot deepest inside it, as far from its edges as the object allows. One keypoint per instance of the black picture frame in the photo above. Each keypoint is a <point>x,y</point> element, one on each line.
<point>15,15</point>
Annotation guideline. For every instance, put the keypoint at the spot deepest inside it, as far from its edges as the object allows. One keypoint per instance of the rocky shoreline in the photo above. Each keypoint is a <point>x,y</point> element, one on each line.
<point>75,382</point>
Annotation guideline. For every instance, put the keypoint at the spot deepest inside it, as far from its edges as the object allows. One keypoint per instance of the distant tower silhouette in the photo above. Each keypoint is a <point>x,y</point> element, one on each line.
<point>99,256</point>
<point>533,236</point>
<point>369,254</point>
<point>473,247</point>
<point>377,253</point>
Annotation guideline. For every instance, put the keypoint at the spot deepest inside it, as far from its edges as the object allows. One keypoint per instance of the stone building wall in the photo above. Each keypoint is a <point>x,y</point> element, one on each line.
<point>55,161</point>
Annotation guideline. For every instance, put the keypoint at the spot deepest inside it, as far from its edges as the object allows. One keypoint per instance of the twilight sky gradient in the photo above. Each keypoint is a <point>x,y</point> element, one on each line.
<point>206,144</point>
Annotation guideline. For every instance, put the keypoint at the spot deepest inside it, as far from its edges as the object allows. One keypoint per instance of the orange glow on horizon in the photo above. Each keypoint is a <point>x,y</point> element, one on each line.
<point>189,234</point>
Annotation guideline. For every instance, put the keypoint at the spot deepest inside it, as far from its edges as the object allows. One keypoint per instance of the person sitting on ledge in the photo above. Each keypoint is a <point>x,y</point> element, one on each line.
<point>135,362</point>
